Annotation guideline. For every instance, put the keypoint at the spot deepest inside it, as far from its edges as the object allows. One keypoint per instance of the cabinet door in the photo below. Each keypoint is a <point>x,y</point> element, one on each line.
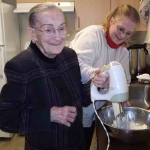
<point>135,4</point>
<point>60,0</point>
<point>90,12</point>
<point>30,1</point>
<point>2,63</point>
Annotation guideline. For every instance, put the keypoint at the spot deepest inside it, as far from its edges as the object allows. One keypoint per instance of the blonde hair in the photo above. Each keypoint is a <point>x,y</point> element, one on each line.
<point>32,16</point>
<point>123,10</point>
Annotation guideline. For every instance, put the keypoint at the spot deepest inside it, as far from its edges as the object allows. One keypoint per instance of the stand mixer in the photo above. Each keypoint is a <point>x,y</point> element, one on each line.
<point>117,92</point>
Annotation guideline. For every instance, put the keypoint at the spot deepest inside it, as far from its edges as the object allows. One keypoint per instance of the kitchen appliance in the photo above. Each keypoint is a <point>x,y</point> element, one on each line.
<point>25,7</point>
<point>9,40</point>
<point>118,90</point>
<point>116,144</point>
<point>129,134</point>
<point>137,56</point>
<point>144,78</point>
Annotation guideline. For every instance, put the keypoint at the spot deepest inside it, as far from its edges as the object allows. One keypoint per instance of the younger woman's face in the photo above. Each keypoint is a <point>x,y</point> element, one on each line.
<point>121,29</point>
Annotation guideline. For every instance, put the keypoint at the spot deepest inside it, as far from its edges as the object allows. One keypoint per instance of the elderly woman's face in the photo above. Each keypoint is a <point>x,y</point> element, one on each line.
<point>50,32</point>
<point>121,29</point>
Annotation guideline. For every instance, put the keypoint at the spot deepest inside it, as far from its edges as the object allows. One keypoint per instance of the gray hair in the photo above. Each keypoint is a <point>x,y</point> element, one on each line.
<point>32,16</point>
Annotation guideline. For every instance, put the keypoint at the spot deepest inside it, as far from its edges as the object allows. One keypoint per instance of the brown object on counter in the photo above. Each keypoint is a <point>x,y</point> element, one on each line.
<point>148,108</point>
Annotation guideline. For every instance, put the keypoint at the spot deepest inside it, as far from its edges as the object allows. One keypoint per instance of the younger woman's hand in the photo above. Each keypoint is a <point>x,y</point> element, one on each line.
<point>126,104</point>
<point>100,80</point>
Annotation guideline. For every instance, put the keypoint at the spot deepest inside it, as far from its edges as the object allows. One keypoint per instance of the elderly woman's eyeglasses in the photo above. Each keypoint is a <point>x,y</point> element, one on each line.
<point>121,30</point>
<point>48,30</point>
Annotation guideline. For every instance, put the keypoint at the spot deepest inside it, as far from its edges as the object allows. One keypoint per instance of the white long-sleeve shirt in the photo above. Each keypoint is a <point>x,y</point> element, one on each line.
<point>93,52</point>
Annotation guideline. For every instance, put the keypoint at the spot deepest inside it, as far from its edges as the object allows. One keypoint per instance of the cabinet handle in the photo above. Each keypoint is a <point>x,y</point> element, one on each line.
<point>2,45</point>
<point>78,22</point>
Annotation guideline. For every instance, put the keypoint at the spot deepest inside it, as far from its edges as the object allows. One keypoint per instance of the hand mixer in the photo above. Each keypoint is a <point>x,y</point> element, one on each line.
<point>117,91</point>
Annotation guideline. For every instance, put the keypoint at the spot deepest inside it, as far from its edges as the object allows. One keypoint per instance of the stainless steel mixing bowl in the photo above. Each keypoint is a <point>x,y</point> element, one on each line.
<point>130,136</point>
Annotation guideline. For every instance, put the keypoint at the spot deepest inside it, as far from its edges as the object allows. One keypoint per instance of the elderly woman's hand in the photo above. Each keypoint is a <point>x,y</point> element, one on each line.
<point>63,115</point>
<point>100,80</point>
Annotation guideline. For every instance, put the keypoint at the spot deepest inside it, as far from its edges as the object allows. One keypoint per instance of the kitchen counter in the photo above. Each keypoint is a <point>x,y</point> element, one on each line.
<point>114,144</point>
<point>139,96</point>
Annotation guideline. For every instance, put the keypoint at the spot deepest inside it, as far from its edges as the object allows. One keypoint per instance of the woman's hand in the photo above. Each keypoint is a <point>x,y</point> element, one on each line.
<point>100,80</point>
<point>63,115</point>
<point>126,104</point>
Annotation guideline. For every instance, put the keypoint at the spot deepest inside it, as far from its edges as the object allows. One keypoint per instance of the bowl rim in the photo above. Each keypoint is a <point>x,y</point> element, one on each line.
<point>103,108</point>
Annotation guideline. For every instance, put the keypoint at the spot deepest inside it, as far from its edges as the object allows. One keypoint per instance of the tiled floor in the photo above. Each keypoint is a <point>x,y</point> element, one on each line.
<point>17,143</point>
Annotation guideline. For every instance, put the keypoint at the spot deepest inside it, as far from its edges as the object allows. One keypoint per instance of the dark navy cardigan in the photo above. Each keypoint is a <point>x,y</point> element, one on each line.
<point>36,83</point>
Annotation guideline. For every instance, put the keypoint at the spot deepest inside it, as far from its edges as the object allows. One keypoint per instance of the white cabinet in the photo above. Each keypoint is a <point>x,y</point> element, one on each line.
<point>2,62</point>
<point>2,82</point>
<point>5,134</point>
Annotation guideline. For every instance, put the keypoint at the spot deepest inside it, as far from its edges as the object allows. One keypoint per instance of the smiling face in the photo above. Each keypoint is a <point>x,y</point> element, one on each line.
<point>121,29</point>
<point>51,45</point>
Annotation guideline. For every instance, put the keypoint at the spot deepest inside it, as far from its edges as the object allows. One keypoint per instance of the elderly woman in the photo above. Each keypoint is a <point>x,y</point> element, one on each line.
<point>98,45</point>
<point>43,97</point>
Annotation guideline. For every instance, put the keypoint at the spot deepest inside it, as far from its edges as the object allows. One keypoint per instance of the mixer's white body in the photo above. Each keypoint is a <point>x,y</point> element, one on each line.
<point>118,89</point>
